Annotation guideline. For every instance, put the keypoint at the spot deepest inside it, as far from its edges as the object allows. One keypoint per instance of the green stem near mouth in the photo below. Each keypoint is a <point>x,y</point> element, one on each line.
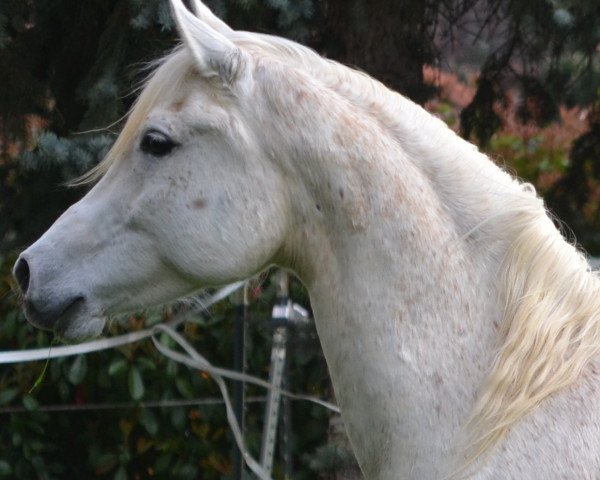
<point>42,375</point>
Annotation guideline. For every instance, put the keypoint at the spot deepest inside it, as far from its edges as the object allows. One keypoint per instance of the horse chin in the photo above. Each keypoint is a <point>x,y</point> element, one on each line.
<point>78,328</point>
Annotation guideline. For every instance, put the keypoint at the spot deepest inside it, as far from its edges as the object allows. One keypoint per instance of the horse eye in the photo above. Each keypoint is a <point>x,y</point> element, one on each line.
<point>156,143</point>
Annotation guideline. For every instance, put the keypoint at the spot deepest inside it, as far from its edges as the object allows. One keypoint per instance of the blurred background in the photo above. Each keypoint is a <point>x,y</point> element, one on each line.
<point>520,78</point>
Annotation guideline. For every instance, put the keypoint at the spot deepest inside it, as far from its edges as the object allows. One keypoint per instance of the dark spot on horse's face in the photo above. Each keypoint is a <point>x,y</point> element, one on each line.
<point>318,207</point>
<point>177,106</point>
<point>342,193</point>
<point>199,203</point>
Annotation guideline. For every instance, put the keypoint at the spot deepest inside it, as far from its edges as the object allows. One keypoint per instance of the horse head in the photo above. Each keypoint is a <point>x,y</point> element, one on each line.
<point>188,196</point>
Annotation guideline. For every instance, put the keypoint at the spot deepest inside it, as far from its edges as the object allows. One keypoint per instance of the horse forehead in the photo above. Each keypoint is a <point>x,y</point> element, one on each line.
<point>192,107</point>
<point>199,95</point>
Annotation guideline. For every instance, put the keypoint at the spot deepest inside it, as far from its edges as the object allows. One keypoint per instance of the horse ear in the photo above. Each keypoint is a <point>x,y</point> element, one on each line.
<point>213,52</point>
<point>203,13</point>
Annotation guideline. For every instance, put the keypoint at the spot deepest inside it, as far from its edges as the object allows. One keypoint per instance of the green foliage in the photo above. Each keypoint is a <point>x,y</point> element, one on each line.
<point>4,39</point>
<point>575,196</point>
<point>530,157</point>
<point>73,155</point>
<point>479,117</point>
<point>145,14</point>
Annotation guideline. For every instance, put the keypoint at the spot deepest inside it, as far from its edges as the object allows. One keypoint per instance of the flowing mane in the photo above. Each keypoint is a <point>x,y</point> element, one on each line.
<point>551,324</point>
<point>550,329</point>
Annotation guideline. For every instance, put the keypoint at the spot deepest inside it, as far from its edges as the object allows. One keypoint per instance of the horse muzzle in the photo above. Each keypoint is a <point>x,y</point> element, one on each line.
<point>61,310</point>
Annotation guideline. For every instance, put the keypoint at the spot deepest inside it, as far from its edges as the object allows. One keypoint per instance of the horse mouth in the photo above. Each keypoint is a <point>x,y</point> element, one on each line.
<point>77,323</point>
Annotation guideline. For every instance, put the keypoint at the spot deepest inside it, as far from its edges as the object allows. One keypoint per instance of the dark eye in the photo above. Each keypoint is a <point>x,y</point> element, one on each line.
<point>157,143</point>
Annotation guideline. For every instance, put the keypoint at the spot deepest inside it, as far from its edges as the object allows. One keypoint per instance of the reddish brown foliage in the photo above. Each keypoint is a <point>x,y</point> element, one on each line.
<point>536,153</point>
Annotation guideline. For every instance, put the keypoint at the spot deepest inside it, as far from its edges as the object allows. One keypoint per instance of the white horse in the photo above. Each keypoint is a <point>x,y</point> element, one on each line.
<point>460,329</point>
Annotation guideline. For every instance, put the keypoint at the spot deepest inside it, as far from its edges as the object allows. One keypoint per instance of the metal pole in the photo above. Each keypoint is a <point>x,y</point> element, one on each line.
<point>281,316</point>
<point>239,365</point>
<point>286,420</point>
<point>273,399</point>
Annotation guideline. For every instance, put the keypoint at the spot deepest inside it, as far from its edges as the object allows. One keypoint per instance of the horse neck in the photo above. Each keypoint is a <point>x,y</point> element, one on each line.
<point>404,299</point>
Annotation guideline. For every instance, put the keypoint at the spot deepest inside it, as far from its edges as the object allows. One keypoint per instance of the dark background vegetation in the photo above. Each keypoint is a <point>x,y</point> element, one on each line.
<point>520,78</point>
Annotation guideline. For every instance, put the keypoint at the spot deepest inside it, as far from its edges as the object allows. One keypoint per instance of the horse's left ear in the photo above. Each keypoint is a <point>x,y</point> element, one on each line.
<point>204,14</point>
<point>213,52</point>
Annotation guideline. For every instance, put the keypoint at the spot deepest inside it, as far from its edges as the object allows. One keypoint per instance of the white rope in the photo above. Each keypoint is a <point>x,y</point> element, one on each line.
<point>21,356</point>
<point>231,418</point>
<point>195,360</point>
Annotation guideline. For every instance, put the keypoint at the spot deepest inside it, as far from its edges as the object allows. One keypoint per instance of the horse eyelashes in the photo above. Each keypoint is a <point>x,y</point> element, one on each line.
<point>157,143</point>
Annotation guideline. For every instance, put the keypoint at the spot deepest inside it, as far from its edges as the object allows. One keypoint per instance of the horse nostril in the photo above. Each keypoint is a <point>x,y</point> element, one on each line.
<point>21,273</point>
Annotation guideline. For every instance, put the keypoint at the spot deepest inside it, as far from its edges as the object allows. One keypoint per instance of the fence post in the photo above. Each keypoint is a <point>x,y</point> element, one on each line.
<point>239,365</point>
